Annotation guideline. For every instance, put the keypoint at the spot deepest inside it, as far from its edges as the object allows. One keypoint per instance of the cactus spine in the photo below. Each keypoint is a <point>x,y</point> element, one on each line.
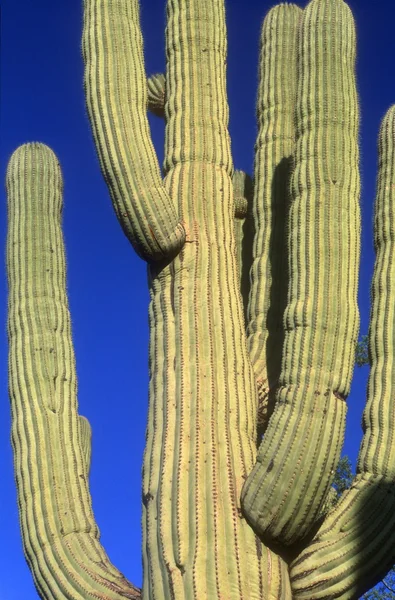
<point>218,514</point>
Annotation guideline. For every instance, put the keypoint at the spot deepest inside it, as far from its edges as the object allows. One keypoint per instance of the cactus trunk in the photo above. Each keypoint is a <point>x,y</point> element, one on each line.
<point>229,359</point>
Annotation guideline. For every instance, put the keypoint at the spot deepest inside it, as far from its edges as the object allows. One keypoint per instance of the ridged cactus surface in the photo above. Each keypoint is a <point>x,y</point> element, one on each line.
<point>201,435</point>
<point>227,515</point>
<point>301,447</point>
<point>60,537</point>
<point>355,543</point>
<point>156,94</point>
<point>274,151</point>
<point>127,156</point>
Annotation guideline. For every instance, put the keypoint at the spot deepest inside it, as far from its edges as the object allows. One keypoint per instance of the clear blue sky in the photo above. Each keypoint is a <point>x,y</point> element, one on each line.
<point>42,100</point>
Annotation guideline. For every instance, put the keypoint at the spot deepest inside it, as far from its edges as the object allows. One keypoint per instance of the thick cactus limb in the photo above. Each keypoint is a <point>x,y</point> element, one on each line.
<point>201,436</point>
<point>274,150</point>
<point>301,447</point>
<point>196,109</point>
<point>60,537</point>
<point>116,98</point>
<point>354,547</point>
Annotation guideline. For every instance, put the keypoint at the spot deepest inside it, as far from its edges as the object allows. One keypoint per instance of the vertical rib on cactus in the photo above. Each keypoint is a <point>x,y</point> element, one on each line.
<point>302,444</point>
<point>116,89</point>
<point>354,548</point>
<point>273,161</point>
<point>60,537</point>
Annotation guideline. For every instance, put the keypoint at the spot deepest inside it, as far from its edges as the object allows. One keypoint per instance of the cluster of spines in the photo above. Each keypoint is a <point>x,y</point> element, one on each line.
<point>301,447</point>
<point>60,537</point>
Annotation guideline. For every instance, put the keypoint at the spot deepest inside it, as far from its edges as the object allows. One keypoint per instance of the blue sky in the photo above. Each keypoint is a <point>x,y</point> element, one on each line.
<point>42,100</point>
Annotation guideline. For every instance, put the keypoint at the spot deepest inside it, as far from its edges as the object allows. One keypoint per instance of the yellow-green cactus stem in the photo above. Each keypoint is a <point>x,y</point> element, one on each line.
<point>60,537</point>
<point>296,461</point>
<point>127,157</point>
<point>354,547</point>
<point>86,442</point>
<point>242,201</point>
<point>242,194</point>
<point>274,150</point>
<point>157,94</point>
<point>201,432</point>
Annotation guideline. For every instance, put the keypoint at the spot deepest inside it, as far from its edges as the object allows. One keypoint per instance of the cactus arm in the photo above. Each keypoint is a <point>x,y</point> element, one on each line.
<point>274,150</point>
<point>86,442</point>
<point>242,201</point>
<point>242,194</point>
<point>116,98</point>
<point>60,537</point>
<point>354,547</point>
<point>156,94</point>
<point>301,447</point>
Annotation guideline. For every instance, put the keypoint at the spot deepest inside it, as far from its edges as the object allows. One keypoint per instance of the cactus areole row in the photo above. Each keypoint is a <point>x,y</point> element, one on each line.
<point>247,391</point>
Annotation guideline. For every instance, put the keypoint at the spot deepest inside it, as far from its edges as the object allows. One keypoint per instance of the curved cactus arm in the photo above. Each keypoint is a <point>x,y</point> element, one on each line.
<point>274,150</point>
<point>242,201</point>
<point>156,94</point>
<point>116,98</point>
<point>86,442</point>
<point>354,547</point>
<point>60,537</point>
<point>301,447</point>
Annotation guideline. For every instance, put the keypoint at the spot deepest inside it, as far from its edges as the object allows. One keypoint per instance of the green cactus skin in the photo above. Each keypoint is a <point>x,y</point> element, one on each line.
<point>274,150</point>
<point>127,157</point>
<point>156,94</point>
<point>86,442</point>
<point>282,497</point>
<point>354,547</point>
<point>60,537</point>
<point>242,202</point>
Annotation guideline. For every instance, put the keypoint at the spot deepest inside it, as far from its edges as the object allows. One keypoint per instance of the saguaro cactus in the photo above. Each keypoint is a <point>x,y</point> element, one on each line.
<point>226,515</point>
